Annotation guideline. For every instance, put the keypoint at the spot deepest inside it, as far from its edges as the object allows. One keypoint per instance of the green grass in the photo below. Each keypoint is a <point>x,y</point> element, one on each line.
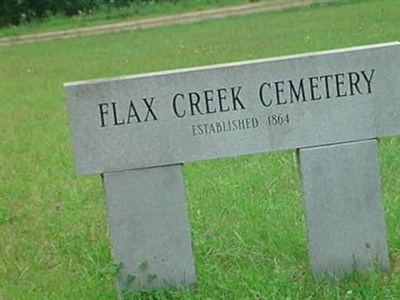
<point>110,14</point>
<point>246,213</point>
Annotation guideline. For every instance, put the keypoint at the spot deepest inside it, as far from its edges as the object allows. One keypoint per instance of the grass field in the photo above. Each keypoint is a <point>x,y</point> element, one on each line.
<point>112,14</point>
<point>246,213</point>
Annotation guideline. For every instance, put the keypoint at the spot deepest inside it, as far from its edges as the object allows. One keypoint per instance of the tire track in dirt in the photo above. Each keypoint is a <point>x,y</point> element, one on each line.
<point>190,17</point>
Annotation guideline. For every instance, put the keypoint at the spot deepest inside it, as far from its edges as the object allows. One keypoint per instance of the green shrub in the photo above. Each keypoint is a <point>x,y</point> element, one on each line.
<point>16,12</point>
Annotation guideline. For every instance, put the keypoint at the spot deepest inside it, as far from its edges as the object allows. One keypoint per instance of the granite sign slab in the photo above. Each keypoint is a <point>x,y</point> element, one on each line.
<point>148,227</point>
<point>138,131</point>
<point>343,209</point>
<point>226,110</point>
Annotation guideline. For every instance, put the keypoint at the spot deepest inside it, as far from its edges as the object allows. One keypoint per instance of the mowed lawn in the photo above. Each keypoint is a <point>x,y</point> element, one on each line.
<point>246,213</point>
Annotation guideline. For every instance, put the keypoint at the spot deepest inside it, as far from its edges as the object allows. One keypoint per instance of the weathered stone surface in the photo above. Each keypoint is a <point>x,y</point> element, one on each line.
<point>151,123</point>
<point>343,209</point>
<point>241,108</point>
<point>148,227</point>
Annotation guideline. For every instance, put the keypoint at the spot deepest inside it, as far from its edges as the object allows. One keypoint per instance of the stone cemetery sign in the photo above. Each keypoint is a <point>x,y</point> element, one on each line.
<point>138,131</point>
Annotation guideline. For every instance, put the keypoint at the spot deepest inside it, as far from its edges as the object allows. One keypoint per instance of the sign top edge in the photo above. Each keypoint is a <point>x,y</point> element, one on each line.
<point>231,64</point>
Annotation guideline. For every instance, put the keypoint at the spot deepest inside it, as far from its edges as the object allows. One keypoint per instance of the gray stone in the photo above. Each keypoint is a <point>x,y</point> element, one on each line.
<point>152,123</point>
<point>343,208</point>
<point>149,228</point>
<point>241,108</point>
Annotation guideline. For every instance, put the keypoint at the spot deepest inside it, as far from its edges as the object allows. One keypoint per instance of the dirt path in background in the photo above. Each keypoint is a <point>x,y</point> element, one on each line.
<point>158,21</point>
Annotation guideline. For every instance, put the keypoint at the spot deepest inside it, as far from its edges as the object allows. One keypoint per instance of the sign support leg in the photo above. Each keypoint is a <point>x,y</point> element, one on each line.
<point>148,227</point>
<point>343,208</point>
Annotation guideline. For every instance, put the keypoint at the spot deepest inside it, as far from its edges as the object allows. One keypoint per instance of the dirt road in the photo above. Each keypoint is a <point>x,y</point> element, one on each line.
<point>158,21</point>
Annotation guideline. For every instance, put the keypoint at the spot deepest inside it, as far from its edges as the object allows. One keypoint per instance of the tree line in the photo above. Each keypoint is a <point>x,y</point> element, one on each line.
<point>16,12</point>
